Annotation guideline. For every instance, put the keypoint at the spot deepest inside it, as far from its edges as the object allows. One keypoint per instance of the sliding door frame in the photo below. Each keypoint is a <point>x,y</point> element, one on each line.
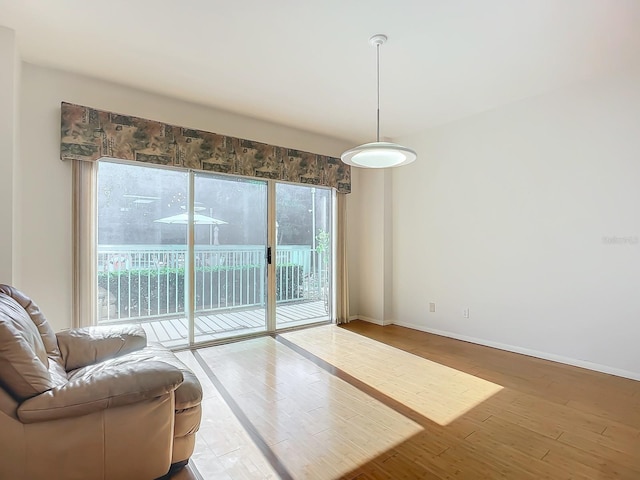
<point>190,278</point>
<point>271,258</point>
<point>86,219</point>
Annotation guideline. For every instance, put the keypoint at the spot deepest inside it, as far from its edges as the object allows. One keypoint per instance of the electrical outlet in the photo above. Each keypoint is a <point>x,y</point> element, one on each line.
<point>465,313</point>
<point>432,307</point>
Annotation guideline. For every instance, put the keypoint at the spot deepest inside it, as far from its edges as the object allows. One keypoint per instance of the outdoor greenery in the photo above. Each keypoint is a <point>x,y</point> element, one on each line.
<point>323,244</point>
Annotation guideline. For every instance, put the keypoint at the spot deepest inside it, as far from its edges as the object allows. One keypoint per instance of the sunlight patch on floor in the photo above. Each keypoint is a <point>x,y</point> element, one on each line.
<point>223,450</point>
<point>318,425</point>
<point>436,391</point>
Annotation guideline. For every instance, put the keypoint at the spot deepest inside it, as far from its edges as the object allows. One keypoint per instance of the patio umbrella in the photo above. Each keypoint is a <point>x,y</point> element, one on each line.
<point>198,219</point>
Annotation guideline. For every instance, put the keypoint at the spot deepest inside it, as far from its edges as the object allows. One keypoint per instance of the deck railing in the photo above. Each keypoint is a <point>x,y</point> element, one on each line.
<point>138,282</point>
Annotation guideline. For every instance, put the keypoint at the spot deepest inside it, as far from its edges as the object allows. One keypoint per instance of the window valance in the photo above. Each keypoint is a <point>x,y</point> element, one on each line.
<point>89,134</point>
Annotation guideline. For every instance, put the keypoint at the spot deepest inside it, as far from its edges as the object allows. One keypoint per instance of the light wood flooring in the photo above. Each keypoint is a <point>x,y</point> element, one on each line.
<point>369,402</point>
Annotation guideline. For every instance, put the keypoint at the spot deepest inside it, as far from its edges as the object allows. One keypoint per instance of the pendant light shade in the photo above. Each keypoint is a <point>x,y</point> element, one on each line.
<point>378,154</point>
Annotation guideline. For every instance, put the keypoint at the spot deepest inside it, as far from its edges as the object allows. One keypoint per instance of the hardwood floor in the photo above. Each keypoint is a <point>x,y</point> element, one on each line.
<point>368,402</point>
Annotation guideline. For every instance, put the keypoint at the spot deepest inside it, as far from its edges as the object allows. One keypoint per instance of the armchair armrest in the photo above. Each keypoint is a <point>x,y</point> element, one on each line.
<point>80,347</point>
<point>108,388</point>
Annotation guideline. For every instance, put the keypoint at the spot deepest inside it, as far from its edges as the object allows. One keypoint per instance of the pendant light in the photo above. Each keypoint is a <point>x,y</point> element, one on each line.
<point>378,154</point>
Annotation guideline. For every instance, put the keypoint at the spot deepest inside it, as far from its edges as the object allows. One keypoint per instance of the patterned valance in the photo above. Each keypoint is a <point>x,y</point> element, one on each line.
<point>90,134</point>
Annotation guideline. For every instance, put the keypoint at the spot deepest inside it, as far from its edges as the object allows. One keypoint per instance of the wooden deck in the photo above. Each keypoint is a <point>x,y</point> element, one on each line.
<point>173,332</point>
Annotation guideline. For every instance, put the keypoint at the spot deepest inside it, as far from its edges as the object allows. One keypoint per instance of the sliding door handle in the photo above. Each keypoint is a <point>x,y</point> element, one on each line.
<point>268,255</point>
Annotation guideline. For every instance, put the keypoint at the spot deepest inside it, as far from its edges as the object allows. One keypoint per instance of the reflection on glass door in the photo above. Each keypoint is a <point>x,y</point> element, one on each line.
<point>142,249</point>
<point>230,236</point>
<point>303,255</point>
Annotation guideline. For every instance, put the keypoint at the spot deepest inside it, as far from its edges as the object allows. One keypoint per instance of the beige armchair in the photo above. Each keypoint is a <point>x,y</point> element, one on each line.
<point>94,403</point>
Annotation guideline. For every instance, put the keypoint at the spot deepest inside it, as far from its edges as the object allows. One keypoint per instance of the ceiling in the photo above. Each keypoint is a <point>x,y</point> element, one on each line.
<point>309,64</point>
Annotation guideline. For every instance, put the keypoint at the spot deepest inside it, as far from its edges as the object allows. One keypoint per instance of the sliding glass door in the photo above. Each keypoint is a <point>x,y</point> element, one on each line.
<point>187,255</point>
<point>303,255</point>
<point>142,249</point>
<point>230,237</point>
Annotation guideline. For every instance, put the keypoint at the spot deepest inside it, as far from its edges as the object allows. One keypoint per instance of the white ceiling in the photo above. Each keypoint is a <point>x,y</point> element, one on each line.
<point>308,64</point>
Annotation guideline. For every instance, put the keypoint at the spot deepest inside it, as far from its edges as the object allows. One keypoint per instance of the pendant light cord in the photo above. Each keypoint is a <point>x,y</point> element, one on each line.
<point>378,79</point>
<point>378,154</point>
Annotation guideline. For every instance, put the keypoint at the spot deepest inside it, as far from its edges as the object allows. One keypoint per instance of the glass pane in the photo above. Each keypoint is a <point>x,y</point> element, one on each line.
<point>303,255</point>
<point>142,238</point>
<point>230,244</point>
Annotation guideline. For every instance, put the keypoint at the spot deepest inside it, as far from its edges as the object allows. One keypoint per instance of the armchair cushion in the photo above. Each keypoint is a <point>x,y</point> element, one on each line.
<point>37,318</point>
<point>24,366</point>
<point>86,346</point>
<point>105,387</point>
<point>190,392</point>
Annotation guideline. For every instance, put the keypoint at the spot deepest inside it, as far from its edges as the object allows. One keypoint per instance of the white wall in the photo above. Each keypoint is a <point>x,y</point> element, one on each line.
<point>353,240</point>
<point>45,188</point>
<point>9,92</point>
<point>511,214</point>
<point>371,248</point>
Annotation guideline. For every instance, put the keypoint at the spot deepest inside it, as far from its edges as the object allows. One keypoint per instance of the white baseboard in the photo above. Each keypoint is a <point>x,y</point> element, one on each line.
<point>371,320</point>
<point>525,351</point>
